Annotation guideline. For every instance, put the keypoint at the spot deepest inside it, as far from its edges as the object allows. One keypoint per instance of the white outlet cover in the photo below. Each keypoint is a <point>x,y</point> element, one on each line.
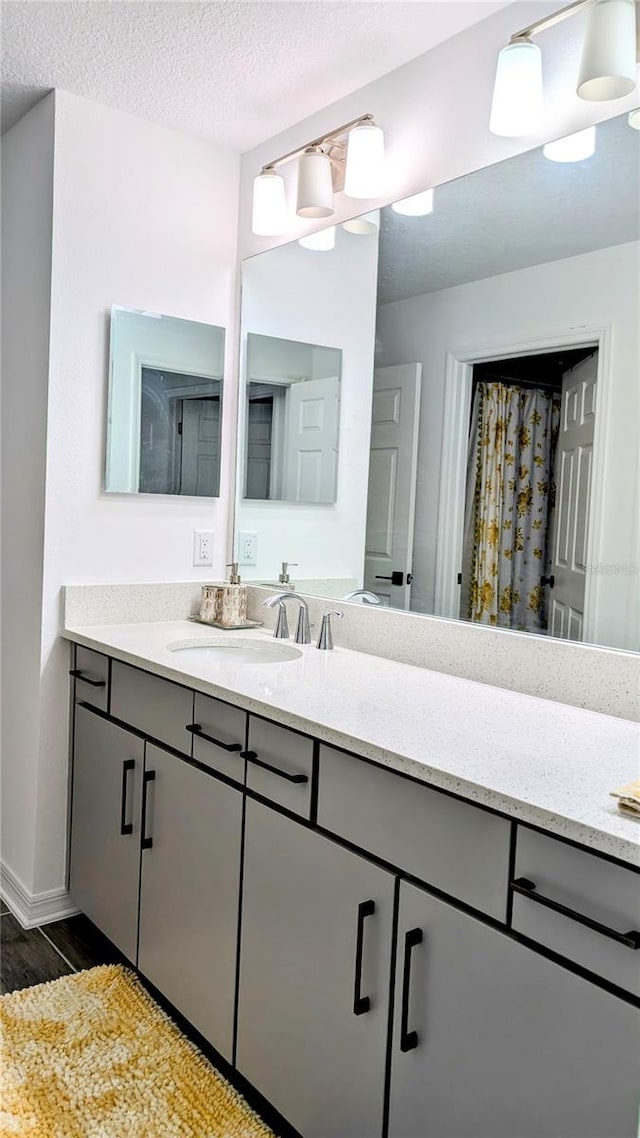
<point>203,547</point>
<point>247,548</point>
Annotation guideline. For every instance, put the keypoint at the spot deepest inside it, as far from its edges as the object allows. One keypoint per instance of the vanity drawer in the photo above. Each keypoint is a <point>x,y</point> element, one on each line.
<point>280,765</point>
<point>451,845</point>
<point>155,706</point>
<point>592,890</point>
<point>219,732</point>
<point>91,674</point>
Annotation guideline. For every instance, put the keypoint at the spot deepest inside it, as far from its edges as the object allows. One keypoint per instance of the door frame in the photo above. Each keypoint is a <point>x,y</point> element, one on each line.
<point>453,469</point>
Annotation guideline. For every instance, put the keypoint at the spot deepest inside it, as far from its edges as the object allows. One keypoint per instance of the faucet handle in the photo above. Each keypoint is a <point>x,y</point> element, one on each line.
<point>282,625</point>
<point>325,640</point>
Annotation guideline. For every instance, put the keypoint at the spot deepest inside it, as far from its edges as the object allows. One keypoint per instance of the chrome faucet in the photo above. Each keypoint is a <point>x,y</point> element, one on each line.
<point>367,597</point>
<point>303,631</point>
<point>325,640</point>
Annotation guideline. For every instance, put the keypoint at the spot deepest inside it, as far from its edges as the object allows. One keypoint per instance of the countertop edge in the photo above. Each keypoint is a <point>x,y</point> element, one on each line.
<point>557,825</point>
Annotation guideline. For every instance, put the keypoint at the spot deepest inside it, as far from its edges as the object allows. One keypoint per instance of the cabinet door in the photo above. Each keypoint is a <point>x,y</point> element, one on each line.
<point>314,978</point>
<point>501,1042</point>
<point>105,827</point>
<point>189,893</point>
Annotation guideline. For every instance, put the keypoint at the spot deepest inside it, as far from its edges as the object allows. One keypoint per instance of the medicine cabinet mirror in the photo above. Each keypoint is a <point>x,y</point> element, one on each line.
<point>165,405</point>
<point>488,467</point>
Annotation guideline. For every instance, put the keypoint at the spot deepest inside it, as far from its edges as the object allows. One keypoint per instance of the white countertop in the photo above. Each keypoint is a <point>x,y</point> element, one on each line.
<point>536,760</point>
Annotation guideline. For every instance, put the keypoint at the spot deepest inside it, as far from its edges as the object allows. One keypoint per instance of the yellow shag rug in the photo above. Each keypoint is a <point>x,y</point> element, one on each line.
<point>92,1056</point>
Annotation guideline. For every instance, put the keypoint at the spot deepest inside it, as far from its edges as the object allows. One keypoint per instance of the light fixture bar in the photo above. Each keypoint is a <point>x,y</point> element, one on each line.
<point>331,136</point>
<point>551,21</point>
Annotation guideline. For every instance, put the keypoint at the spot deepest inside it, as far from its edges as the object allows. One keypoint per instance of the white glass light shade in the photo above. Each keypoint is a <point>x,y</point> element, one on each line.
<point>608,68</point>
<point>269,205</point>
<point>315,186</point>
<point>418,205</point>
<point>574,148</point>
<point>634,119</point>
<point>516,109</point>
<point>321,242</point>
<point>364,174</point>
<point>364,226</point>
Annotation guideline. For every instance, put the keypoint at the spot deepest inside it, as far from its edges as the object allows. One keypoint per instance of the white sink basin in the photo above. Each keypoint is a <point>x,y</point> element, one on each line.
<point>219,650</point>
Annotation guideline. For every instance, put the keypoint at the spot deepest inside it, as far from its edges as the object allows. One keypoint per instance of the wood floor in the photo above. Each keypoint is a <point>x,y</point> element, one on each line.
<point>33,956</point>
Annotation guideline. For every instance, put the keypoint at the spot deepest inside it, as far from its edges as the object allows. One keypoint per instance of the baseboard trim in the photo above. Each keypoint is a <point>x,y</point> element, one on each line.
<point>32,909</point>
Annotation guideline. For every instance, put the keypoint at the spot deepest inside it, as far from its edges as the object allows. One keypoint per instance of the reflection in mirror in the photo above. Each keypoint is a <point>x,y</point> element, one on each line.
<point>292,420</point>
<point>165,405</point>
<point>502,450</point>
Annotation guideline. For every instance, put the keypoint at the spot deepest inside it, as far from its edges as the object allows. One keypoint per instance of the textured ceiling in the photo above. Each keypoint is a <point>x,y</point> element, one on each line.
<point>233,71</point>
<point>521,212</point>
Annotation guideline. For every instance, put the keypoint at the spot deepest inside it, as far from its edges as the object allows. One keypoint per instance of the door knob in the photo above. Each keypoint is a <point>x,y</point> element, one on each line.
<point>550,581</point>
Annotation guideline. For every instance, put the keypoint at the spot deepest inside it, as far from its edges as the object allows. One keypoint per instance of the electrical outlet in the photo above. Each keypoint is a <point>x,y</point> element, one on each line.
<point>248,548</point>
<point>203,547</point>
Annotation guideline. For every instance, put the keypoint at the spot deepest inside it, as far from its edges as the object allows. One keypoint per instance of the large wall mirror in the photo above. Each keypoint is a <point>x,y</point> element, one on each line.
<point>488,467</point>
<point>165,405</point>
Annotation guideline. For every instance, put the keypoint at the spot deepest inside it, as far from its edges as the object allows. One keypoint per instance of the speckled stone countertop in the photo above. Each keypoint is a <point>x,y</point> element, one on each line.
<point>533,759</point>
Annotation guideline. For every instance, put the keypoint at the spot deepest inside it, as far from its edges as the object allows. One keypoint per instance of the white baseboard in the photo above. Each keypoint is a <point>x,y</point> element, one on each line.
<point>32,909</point>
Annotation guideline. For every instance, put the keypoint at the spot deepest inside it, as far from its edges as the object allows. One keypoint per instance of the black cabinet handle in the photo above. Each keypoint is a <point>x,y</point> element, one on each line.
<point>148,776</point>
<point>361,1004</point>
<point>79,675</point>
<point>408,1039</point>
<point>527,888</point>
<point>125,827</point>
<point>196,729</point>
<point>251,757</point>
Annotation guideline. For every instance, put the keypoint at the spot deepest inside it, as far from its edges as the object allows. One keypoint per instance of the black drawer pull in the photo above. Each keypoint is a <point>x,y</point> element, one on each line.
<point>408,1039</point>
<point>251,757</point>
<point>148,776</point>
<point>125,827</point>
<point>361,1004</point>
<point>79,675</point>
<point>527,888</point>
<point>196,729</point>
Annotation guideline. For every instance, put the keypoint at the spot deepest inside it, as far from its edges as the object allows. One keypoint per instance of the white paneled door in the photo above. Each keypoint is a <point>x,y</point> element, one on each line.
<point>311,449</point>
<point>392,483</point>
<point>574,458</point>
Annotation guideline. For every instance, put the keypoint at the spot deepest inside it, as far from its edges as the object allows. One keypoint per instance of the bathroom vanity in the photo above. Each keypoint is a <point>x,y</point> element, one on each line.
<point>383,941</point>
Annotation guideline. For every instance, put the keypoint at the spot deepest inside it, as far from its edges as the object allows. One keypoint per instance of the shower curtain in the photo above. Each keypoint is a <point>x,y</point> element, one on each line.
<point>509,504</point>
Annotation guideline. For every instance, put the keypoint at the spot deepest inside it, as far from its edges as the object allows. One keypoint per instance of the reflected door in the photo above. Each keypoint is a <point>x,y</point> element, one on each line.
<point>200,447</point>
<point>574,457</point>
<point>311,449</point>
<point>392,483</point>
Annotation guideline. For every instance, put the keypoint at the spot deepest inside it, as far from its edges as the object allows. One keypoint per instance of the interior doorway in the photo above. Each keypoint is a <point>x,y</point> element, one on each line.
<point>527,493</point>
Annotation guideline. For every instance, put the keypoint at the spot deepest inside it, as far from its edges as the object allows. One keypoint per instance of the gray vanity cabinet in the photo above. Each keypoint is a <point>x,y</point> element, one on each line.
<point>492,1040</point>
<point>314,978</point>
<point>105,827</point>
<point>190,883</point>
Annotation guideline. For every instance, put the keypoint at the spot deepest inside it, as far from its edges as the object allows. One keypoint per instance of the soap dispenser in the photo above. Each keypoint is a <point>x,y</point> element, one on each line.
<point>233,600</point>
<point>284,578</point>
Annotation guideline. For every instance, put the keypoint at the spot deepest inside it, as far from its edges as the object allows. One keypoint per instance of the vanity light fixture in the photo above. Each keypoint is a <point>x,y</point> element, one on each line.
<point>607,71</point>
<point>322,241</point>
<point>574,148</point>
<point>418,205</point>
<point>634,119</point>
<point>349,158</point>
<point>365,226</point>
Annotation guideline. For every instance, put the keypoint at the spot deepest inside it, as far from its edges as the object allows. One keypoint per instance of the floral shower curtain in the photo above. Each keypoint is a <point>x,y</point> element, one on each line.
<point>509,505</point>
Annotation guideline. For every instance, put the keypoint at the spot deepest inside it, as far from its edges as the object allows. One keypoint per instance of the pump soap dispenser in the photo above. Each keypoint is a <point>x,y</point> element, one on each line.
<point>233,600</point>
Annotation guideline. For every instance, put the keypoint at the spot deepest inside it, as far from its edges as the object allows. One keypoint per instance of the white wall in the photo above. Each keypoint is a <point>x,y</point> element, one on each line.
<point>324,299</point>
<point>435,114</point>
<point>596,290</point>
<point>143,217</point>
<point>27,181</point>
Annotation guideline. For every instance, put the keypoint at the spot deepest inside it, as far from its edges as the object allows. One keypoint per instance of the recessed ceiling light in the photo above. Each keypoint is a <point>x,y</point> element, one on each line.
<point>574,148</point>
<point>418,205</point>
